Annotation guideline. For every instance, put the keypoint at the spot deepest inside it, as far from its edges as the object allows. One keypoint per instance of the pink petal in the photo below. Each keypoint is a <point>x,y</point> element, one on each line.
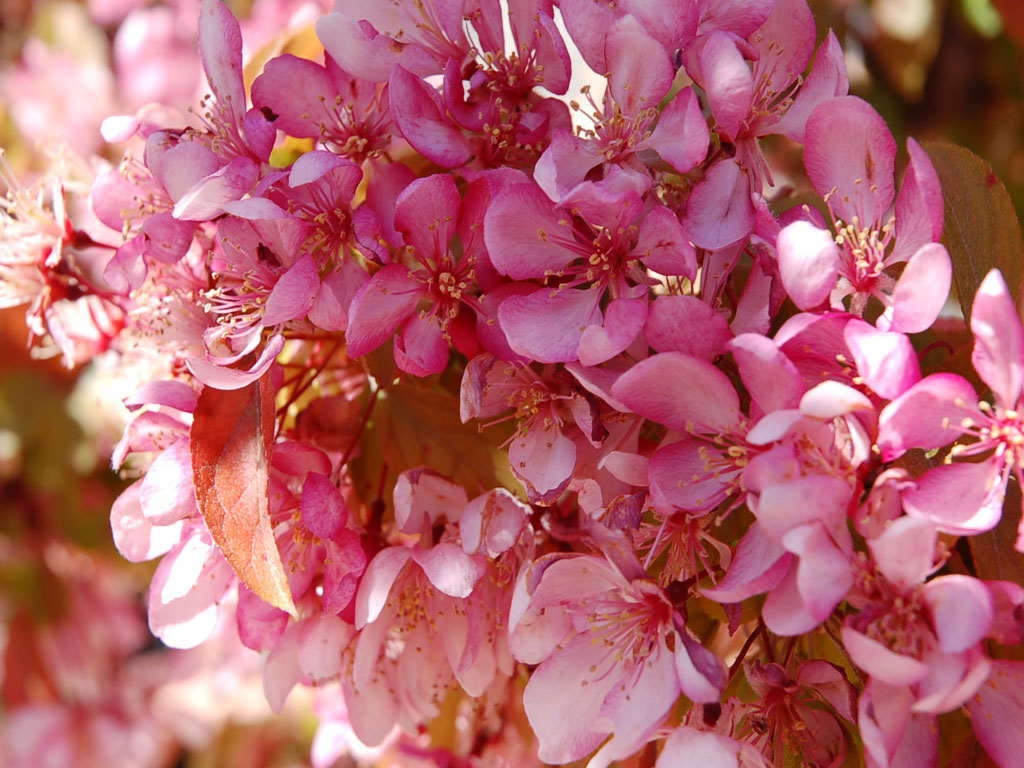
<point>185,590</point>
<point>333,299</point>
<point>167,240</point>
<point>688,325</point>
<point>681,392</point>
<point>905,552</point>
<point>687,747</point>
<point>881,663</point>
<point>928,415</point>
<point>673,23</point>
<point>562,711</point>
<point>808,263</point>
<point>547,324</point>
<point>728,81</point>
<point>998,354</point>
<point>380,307</point>
<point>784,505</point>
<point>588,24</point>
<point>886,361</point>
<point>136,538</point>
<point>919,209</point>
<point>999,702</point>
<point>167,494</point>
<point>368,55</point>
<point>961,611</point>
<point>492,522</point>
<point>759,565</point>
<point>293,294</point>
<point>773,426</point>
<point>849,148</point>
<point>376,583</point>
<point>422,497</point>
<point>345,561</point>
<point>630,468</point>
<point>564,164</point>
<point>450,569</point>
<point>830,399</point>
<point>552,54</point>
<point>772,380</point>
<point>681,478</point>
<point>525,236</point>
<point>178,166</point>
<point>260,134</point>
<point>663,245</point>
<point>320,644</point>
<point>824,575</point>
<point>204,200</point>
<point>682,136</point>
<point>220,43</point>
<point>701,674</point>
<point>785,43</point>
<point>827,80</point>
<point>623,321</point>
<point>260,625</point>
<point>323,509</point>
<point>739,17</point>
<point>543,460</point>
<point>961,498</point>
<point>954,679</point>
<point>720,212</point>
<point>126,271</point>
<point>420,116</point>
<point>421,348</point>
<point>641,73</point>
<point>292,87</point>
<point>219,377</point>
<point>313,166</point>
<point>633,712</point>
<point>426,213</point>
<point>281,672</point>
<point>922,289</point>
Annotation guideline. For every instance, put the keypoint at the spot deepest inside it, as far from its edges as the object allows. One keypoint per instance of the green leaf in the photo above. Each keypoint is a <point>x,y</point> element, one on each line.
<point>414,426</point>
<point>981,229</point>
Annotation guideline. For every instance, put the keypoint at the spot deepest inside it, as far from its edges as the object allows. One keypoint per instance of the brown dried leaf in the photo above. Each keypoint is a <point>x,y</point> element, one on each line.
<point>231,440</point>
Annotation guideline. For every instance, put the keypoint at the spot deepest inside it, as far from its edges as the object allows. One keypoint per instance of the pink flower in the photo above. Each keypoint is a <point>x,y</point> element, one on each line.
<point>967,497</point>
<point>849,154</point>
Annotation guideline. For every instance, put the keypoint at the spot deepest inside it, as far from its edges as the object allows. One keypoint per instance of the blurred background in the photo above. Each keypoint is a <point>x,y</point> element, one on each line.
<point>82,681</point>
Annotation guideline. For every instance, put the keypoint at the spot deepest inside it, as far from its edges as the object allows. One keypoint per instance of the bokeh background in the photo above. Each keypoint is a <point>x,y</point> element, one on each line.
<point>82,681</point>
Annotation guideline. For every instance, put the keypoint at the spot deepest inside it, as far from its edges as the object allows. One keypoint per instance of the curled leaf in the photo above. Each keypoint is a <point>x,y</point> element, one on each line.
<point>231,440</point>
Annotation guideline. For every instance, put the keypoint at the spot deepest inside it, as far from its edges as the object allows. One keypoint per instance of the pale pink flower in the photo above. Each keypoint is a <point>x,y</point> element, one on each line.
<point>604,632</point>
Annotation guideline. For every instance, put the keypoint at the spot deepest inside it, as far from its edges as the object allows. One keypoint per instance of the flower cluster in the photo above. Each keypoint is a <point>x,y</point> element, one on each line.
<point>467,395</point>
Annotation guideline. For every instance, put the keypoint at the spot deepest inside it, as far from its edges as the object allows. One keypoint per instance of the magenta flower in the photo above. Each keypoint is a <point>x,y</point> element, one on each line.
<point>443,282</point>
<point>628,122</point>
<point>596,243</point>
<point>349,115</point>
